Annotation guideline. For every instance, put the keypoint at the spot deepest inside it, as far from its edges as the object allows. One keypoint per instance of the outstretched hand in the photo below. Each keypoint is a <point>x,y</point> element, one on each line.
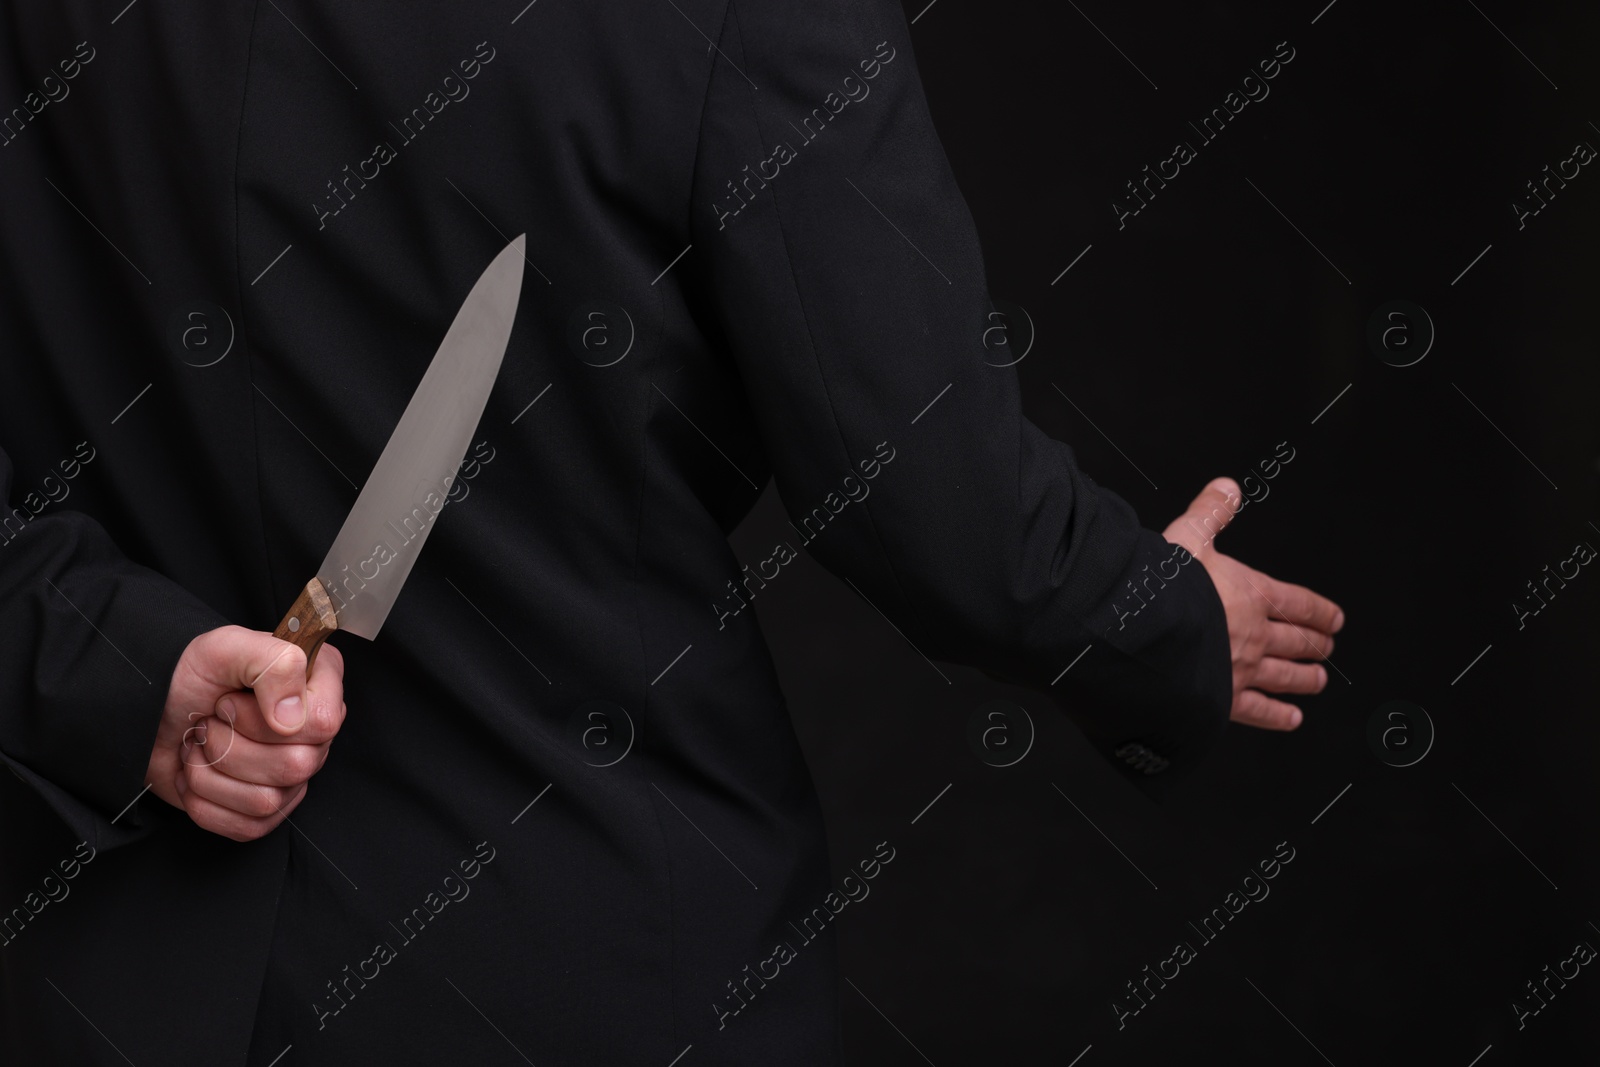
<point>1273,626</point>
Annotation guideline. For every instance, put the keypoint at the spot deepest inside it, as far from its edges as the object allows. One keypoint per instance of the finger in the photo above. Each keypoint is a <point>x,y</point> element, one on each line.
<point>209,815</point>
<point>1254,708</point>
<point>1206,515</point>
<point>243,710</point>
<point>1274,675</point>
<point>244,798</point>
<point>237,713</point>
<point>232,657</point>
<point>324,697</point>
<point>276,763</point>
<point>280,689</point>
<point>1296,642</point>
<point>1297,604</point>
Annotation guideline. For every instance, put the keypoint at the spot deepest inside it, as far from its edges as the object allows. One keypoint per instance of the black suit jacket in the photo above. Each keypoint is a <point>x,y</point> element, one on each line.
<point>231,236</point>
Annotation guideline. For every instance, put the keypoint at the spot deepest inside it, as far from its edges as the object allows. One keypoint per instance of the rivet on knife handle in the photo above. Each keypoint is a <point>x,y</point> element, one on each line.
<point>309,622</point>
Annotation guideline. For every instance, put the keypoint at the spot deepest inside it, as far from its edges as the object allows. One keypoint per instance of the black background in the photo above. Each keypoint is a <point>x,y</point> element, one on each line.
<point>1197,338</point>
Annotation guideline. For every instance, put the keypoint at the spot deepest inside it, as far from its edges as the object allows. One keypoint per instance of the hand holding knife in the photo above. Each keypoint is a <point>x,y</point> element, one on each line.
<point>242,730</point>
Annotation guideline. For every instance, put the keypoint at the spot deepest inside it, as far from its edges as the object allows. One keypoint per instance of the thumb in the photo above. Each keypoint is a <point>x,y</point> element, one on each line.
<point>280,685</point>
<point>1207,515</point>
<point>237,658</point>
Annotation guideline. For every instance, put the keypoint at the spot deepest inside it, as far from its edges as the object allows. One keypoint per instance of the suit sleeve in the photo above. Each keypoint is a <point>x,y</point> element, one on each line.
<point>90,643</point>
<point>842,265</point>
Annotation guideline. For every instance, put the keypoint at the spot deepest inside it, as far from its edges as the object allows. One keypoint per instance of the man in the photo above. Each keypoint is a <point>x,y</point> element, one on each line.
<point>233,235</point>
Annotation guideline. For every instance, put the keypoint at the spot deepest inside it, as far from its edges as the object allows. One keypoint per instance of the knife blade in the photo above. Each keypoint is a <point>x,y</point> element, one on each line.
<point>369,561</point>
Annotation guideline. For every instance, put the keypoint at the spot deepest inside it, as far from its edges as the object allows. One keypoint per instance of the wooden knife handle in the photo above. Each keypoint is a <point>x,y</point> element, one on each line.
<point>309,622</point>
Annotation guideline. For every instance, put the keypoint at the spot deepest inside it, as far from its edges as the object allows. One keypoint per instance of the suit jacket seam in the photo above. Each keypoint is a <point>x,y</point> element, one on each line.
<point>255,442</point>
<point>638,617</point>
<point>811,343</point>
<point>244,343</point>
<point>700,121</point>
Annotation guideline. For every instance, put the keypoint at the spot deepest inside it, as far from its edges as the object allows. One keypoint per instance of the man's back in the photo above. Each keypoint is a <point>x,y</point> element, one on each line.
<point>567,810</point>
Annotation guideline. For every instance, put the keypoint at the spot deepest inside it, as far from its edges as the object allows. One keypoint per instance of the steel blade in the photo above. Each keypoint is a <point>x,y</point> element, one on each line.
<point>400,504</point>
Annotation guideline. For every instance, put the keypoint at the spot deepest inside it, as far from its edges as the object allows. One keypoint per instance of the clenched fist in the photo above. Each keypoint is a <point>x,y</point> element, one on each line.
<point>244,730</point>
<point>1273,626</point>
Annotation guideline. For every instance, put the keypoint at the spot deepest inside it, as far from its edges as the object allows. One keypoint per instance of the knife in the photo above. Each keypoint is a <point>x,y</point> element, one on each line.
<point>371,558</point>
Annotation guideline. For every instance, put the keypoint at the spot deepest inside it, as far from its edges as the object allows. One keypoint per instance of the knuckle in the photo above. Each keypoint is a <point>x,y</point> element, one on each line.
<point>215,642</point>
<point>264,801</point>
<point>322,720</point>
<point>209,757</point>
<point>216,738</point>
<point>291,669</point>
<point>334,658</point>
<point>289,664</point>
<point>297,763</point>
<point>214,649</point>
